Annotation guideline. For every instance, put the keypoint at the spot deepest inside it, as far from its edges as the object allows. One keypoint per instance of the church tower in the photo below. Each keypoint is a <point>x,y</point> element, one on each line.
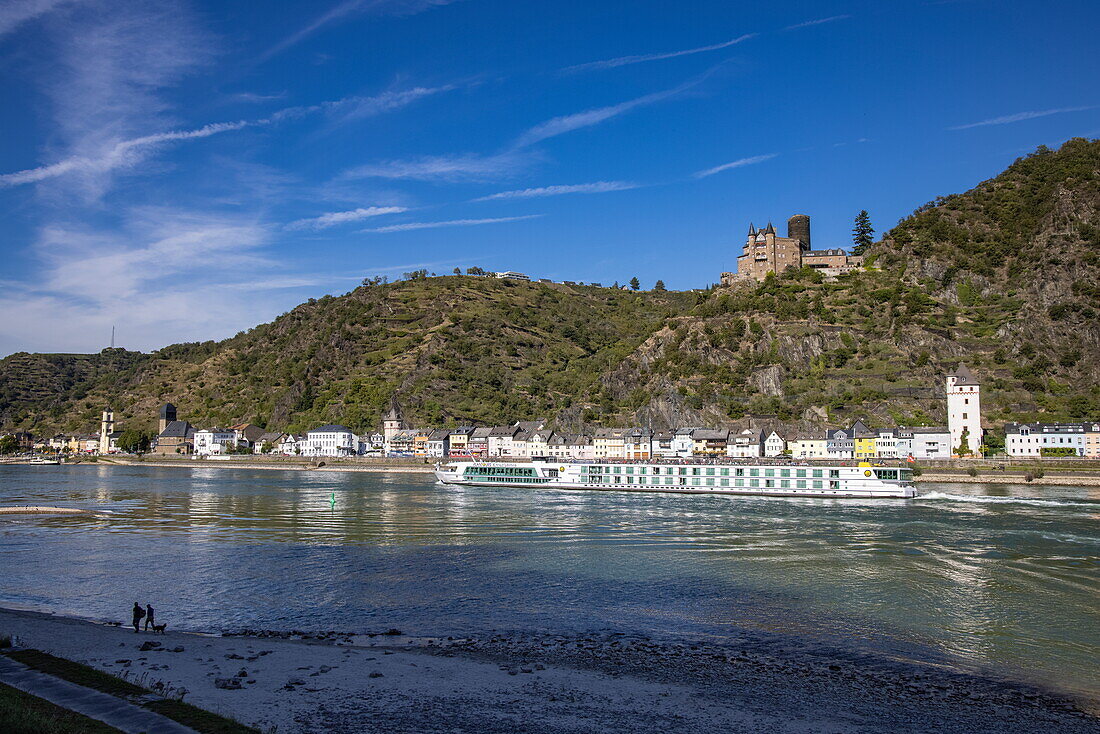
<point>106,428</point>
<point>392,422</point>
<point>964,410</point>
<point>167,415</point>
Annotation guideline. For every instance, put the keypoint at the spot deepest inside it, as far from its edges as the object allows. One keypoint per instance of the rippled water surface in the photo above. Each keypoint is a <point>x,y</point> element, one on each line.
<point>990,577</point>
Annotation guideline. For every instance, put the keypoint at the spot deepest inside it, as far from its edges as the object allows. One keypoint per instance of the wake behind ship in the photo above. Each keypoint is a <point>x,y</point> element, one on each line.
<point>778,480</point>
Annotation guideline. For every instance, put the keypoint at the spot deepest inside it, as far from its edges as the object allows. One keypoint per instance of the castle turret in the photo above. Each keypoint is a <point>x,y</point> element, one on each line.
<point>798,228</point>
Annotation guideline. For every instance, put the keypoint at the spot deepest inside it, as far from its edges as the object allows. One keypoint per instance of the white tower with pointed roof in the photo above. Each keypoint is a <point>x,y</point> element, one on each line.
<point>964,409</point>
<point>392,422</point>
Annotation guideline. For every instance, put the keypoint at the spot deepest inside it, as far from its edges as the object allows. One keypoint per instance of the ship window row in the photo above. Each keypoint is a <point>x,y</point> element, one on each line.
<point>696,471</point>
<point>706,482</point>
<point>501,471</point>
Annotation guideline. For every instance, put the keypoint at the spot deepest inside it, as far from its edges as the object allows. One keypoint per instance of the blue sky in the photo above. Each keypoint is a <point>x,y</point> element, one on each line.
<point>184,170</point>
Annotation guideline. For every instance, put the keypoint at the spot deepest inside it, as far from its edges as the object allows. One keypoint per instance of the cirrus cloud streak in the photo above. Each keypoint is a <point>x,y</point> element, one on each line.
<point>598,187</point>
<point>642,58</point>
<point>451,223</point>
<point>818,21</point>
<point>735,164</point>
<point>128,153</point>
<point>1021,116</point>
<point>124,153</point>
<point>332,219</point>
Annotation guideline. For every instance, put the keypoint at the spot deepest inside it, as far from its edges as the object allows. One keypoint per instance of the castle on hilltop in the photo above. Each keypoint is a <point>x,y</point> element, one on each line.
<point>766,252</point>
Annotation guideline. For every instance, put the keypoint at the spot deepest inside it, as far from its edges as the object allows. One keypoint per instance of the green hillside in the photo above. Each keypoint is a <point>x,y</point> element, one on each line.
<point>455,349</point>
<point>1005,276</point>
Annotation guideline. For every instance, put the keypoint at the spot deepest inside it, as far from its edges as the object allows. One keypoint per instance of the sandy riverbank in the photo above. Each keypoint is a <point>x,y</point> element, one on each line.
<point>600,682</point>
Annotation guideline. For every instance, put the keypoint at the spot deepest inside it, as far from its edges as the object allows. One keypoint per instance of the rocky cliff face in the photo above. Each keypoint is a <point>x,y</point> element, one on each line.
<point>1005,277</point>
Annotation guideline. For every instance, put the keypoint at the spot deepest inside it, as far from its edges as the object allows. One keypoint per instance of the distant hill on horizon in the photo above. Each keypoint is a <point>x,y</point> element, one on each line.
<point>1005,277</point>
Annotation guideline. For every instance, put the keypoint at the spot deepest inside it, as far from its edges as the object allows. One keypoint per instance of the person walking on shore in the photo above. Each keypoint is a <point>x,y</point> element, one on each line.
<point>148,616</point>
<point>138,614</point>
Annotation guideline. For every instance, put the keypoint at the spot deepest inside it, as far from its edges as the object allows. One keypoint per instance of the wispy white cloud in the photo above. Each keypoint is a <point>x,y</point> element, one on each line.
<point>254,98</point>
<point>354,108</point>
<point>15,13</point>
<point>818,21</point>
<point>131,152</point>
<point>350,8</point>
<point>568,123</point>
<point>108,64</point>
<point>122,154</point>
<point>332,219</point>
<point>445,168</point>
<point>163,276</point>
<point>1021,116</point>
<point>597,187</point>
<point>641,58</point>
<point>735,164</point>
<point>159,276</point>
<point>452,223</point>
<point>470,167</point>
<point>275,283</point>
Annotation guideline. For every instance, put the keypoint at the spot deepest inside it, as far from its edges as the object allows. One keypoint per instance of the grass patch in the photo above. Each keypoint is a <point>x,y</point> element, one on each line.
<point>22,713</point>
<point>82,675</point>
<point>198,719</point>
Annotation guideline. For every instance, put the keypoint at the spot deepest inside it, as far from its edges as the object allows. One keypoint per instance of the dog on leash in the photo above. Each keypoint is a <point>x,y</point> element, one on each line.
<point>159,628</point>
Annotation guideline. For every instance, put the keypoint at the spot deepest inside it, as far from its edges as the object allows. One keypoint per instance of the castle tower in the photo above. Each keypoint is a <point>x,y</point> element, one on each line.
<point>964,409</point>
<point>106,428</point>
<point>167,415</point>
<point>392,422</point>
<point>798,228</point>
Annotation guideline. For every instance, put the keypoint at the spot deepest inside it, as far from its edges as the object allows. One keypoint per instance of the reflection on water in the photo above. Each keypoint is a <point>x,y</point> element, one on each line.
<point>988,576</point>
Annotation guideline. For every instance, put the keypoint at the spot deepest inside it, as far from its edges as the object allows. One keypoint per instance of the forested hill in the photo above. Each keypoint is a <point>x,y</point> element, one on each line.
<point>1005,276</point>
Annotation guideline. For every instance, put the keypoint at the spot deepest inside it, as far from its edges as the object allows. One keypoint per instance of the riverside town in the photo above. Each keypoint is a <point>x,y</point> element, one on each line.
<point>533,439</point>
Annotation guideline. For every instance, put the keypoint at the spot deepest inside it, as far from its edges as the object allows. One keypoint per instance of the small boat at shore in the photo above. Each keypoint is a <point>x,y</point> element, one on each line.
<point>862,481</point>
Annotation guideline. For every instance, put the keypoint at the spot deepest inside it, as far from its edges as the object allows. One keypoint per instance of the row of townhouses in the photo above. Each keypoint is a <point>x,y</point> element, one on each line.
<point>1053,439</point>
<point>532,439</point>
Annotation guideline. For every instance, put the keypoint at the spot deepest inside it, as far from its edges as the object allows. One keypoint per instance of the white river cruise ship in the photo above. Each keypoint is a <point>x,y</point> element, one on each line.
<point>772,479</point>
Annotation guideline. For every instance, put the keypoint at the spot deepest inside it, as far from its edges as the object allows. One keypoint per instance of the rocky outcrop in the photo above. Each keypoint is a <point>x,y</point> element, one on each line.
<point>768,381</point>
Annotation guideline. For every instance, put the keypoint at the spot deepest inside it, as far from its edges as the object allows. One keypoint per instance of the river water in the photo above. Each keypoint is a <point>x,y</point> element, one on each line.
<point>1002,579</point>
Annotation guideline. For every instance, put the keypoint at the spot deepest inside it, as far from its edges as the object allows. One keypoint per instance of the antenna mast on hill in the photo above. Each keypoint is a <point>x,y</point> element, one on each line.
<point>112,337</point>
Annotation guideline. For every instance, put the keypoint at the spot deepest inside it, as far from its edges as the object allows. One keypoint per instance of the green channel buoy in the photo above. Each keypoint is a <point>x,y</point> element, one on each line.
<point>332,501</point>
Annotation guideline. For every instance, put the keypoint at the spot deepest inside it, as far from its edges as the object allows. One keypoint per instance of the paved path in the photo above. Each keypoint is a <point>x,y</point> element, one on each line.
<point>104,707</point>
